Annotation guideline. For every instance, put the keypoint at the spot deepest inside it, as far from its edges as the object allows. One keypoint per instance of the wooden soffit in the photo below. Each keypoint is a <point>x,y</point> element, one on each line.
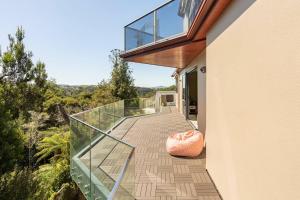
<point>180,51</point>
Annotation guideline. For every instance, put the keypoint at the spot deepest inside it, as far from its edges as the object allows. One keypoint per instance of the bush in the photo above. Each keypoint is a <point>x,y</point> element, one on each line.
<point>19,185</point>
<point>11,141</point>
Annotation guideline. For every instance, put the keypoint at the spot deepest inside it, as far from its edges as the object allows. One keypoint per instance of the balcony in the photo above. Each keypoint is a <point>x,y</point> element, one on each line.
<point>172,35</point>
<point>118,152</point>
<point>168,21</point>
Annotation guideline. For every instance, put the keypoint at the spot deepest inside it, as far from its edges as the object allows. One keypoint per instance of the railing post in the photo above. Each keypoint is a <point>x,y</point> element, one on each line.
<point>99,118</point>
<point>123,108</point>
<point>90,167</point>
<point>114,115</point>
<point>125,38</point>
<point>125,114</point>
<point>155,25</point>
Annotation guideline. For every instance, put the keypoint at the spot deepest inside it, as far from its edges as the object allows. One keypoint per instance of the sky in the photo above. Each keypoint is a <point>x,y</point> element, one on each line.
<point>74,37</point>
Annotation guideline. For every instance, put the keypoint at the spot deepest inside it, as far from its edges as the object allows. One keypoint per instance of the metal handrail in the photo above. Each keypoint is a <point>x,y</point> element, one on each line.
<point>119,179</point>
<point>148,13</point>
<point>155,40</point>
<point>102,132</point>
<point>85,111</point>
<point>106,133</point>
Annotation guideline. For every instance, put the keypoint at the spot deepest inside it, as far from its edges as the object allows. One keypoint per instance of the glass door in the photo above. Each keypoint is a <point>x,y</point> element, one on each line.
<point>184,94</point>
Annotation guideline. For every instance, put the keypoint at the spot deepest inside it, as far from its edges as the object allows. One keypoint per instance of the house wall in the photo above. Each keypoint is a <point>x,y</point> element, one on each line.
<point>180,92</point>
<point>253,101</point>
<point>202,95</point>
<point>177,90</point>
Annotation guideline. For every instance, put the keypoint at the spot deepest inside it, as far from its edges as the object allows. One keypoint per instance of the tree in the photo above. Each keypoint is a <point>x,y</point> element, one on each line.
<point>11,141</point>
<point>24,83</point>
<point>122,83</point>
<point>16,63</point>
<point>102,95</point>
<point>40,86</point>
<point>53,98</point>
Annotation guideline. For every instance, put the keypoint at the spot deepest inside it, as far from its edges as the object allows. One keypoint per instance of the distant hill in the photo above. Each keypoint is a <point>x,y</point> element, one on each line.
<point>144,89</point>
<point>64,86</point>
<point>158,87</point>
<point>70,90</point>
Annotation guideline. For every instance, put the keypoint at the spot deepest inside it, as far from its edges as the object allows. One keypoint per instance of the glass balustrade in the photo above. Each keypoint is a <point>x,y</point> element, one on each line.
<point>101,164</point>
<point>170,20</point>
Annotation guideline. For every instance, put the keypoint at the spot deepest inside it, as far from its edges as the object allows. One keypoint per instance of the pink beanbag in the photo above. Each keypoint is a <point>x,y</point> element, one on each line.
<point>188,143</point>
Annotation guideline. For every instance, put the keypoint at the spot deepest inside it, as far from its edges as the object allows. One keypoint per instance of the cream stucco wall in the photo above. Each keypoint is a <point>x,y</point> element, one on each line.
<point>158,97</point>
<point>179,93</point>
<point>253,101</point>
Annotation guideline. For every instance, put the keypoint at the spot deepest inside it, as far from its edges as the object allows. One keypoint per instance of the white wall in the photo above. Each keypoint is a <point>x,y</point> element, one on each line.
<point>158,98</point>
<point>253,101</point>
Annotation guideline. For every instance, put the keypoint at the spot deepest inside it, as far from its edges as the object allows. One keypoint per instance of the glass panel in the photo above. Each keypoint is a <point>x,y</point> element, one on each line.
<point>119,111</point>
<point>126,191</point>
<point>80,144</point>
<point>99,153</point>
<point>131,107</point>
<point>194,6</point>
<point>102,165</point>
<point>107,117</point>
<point>136,107</point>
<point>183,77</point>
<point>140,32</point>
<point>168,21</point>
<point>104,117</point>
<point>98,164</point>
<point>91,117</point>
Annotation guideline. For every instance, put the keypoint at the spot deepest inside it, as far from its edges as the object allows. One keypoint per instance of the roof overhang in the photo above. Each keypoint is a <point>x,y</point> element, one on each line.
<point>179,51</point>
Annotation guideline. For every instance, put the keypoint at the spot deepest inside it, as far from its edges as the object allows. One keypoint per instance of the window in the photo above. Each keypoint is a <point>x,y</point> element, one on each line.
<point>170,98</point>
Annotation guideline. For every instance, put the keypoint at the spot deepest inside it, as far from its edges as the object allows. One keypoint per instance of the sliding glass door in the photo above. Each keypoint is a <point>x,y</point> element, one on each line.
<point>184,94</point>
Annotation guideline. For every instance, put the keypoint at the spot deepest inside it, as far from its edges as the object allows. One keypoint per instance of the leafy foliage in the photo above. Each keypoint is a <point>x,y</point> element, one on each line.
<point>24,83</point>
<point>34,133</point>
<point>122,83</point>
<point>54,174</point>
<point>102,95</point>
<point>170,88</point>
<point>20,185</point>
<point>17,66</point>
<point>56,145</point>
<point>11,142</point>
<point>29,99</point>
